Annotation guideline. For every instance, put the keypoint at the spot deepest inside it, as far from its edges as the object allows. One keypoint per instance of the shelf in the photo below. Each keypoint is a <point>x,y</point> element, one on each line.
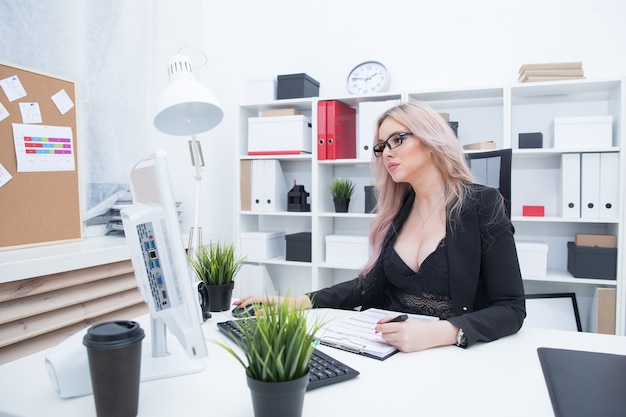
<point>276,213</point>
<point>547,152</point>
<point>565,277</point>
<point>348,215</point>
<point>344,162</point>
<point>496,113</point>
<point>300,157</point>
<point>56,258</point>
<point>556,219</point>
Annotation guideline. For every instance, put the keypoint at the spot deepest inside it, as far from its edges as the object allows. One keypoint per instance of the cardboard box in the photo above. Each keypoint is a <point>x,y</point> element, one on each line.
<point>530,140</point>
<point>347,250</point>
<point>582,132</point>
<point>533,257</point>
<point>480,146</point>
<point>298,247</point>
<point>297,86</point>
<point>262,245</point>
<point>591,262</point>
<point>262,90</point>
<point>280,135</point>
<point>279,112</point>
<point>600,241</point>
<point>602,317</point>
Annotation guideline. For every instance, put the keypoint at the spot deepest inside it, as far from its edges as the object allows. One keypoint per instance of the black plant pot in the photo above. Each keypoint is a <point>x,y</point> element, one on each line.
<point>271,399</point>
<point>341,204</point>
<point>220,296</point>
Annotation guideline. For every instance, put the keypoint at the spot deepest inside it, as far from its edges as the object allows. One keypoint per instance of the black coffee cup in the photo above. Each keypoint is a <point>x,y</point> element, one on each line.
<point>114,352</point>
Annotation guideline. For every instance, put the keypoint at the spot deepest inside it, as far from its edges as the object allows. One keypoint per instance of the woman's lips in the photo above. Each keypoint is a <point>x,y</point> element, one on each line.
<point>391,166</point>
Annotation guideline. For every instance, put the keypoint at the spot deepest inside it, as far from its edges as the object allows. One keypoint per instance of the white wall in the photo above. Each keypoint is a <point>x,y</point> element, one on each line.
<point>425,44</point>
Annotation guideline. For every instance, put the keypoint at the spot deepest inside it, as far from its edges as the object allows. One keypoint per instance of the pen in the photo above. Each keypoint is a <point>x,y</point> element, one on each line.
<point>401,317</point>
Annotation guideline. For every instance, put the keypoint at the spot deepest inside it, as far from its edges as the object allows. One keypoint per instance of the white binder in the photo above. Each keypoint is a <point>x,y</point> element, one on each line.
<point>269,189</point>
<point>590,186</point>
<point>570,185</point>
<point>369,112</point>
<point>609,188</point>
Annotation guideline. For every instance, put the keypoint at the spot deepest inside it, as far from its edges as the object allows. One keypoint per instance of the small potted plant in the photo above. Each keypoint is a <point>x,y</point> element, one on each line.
<point>216,267</point>
<point>342,190</point>
<point>277,350</point>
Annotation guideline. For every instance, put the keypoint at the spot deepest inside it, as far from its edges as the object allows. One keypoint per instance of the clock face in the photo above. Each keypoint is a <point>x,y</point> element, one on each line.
<point>367,78</point>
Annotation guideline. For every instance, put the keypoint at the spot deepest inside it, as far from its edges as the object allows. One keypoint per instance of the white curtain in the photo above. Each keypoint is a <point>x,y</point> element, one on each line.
<point>105,47</point>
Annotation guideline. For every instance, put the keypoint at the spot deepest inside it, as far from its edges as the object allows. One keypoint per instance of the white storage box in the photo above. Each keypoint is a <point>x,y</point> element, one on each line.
<point>533,258</point>
<point>347,250</point>
<point>279,135</point>
<point>582,132</point>
<point>262,90</point>
<point>262,245</point>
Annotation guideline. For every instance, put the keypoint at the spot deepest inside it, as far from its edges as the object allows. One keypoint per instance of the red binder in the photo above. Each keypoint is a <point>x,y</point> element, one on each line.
<point>340,131</point>
<point>321,130</point>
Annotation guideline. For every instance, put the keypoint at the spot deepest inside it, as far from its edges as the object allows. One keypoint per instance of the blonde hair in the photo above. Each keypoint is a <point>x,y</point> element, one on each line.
<point>435,135</point>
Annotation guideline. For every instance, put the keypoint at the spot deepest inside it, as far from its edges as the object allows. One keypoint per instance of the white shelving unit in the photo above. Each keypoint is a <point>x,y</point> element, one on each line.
<point>497,113</point>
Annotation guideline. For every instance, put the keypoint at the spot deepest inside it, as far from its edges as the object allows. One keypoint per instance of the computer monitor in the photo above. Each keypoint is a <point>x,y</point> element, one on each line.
<point>164,278</point>
<point>163,275</point>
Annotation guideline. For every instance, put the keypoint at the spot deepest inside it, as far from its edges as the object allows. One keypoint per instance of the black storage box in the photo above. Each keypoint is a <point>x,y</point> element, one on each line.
<point>297,86</point>
<point>591,261</point>
<point>455,128</point>
<point>298,247</point>
<point>530,140</point>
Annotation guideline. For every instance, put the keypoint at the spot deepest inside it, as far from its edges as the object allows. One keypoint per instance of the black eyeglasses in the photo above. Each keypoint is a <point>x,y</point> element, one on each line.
<point>392,142</point>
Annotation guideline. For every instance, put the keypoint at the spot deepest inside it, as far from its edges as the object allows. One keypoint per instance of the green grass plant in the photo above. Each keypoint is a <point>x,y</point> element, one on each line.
<point>342,188</point>
<point>280,345</point>
<point>216,264</point>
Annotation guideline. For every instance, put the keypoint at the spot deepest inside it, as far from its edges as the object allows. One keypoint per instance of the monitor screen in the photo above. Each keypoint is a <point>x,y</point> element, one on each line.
<point>160,264</point>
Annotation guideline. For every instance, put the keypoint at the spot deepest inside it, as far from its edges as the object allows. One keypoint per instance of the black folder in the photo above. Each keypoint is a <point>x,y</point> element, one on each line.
<point>584,384</point>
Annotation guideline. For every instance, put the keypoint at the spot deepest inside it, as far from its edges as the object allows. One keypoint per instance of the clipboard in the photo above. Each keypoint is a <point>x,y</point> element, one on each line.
<point>355,333</point>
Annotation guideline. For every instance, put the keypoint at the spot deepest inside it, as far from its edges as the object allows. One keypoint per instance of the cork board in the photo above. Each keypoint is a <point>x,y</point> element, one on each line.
<point>40,204</point>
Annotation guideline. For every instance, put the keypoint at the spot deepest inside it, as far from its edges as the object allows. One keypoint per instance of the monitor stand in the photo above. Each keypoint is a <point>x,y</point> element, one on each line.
<point>158,363</point>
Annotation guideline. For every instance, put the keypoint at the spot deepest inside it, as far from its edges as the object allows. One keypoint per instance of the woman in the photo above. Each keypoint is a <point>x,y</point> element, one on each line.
<point>441,245</point>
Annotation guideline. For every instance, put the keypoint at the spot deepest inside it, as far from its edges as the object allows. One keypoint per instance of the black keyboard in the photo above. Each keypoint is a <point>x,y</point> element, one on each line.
<point>323,369</point>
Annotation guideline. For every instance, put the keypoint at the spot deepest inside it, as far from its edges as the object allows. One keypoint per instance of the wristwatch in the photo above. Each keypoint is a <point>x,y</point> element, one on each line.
<point>461,339</point>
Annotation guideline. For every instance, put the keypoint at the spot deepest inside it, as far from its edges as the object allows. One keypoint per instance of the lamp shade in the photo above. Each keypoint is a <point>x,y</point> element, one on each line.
<point>186,107</point>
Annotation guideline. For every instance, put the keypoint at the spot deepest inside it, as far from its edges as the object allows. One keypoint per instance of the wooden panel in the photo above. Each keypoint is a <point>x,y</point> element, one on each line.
<point>18,330</point>
<point>40,312</point>
<point>47,302</point>
<point>28,287</point>
<point>29,346</point>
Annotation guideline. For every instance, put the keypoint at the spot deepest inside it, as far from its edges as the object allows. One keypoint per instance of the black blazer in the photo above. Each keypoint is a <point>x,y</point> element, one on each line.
<point>485,281</point>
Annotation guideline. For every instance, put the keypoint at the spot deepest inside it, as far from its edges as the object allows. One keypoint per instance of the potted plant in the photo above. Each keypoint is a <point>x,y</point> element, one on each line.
<point>342,190</point>
<point>277,350</point>
<point>216,267</point>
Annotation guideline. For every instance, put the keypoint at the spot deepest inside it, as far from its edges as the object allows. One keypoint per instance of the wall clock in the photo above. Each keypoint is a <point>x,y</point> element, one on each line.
<point>368,77</point>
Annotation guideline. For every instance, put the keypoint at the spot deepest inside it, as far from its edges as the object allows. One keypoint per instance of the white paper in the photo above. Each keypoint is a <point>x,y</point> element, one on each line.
<point>30,113</point>
<point>356,333</point>
<point>4,175</point>
<point>4,113</point>
<point>43,148</point>
<point>13,88</point>
<point>62,101</point>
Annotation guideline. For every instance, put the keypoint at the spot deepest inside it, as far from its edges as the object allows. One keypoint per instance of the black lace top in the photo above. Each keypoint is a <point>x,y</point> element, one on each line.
<point>426,291</point>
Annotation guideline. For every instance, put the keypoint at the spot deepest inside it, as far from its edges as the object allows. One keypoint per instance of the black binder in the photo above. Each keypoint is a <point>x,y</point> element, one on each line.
<point>584,384</point>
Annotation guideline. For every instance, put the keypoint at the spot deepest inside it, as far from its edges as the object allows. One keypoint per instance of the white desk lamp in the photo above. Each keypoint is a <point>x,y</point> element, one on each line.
<point>188,108</point>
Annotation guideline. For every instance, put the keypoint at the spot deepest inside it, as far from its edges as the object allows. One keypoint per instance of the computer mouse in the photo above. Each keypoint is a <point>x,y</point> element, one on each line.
<point>246,311</point>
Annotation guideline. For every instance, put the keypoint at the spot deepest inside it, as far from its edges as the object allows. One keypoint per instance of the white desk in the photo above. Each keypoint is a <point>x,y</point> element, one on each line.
<point>493,379</point>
